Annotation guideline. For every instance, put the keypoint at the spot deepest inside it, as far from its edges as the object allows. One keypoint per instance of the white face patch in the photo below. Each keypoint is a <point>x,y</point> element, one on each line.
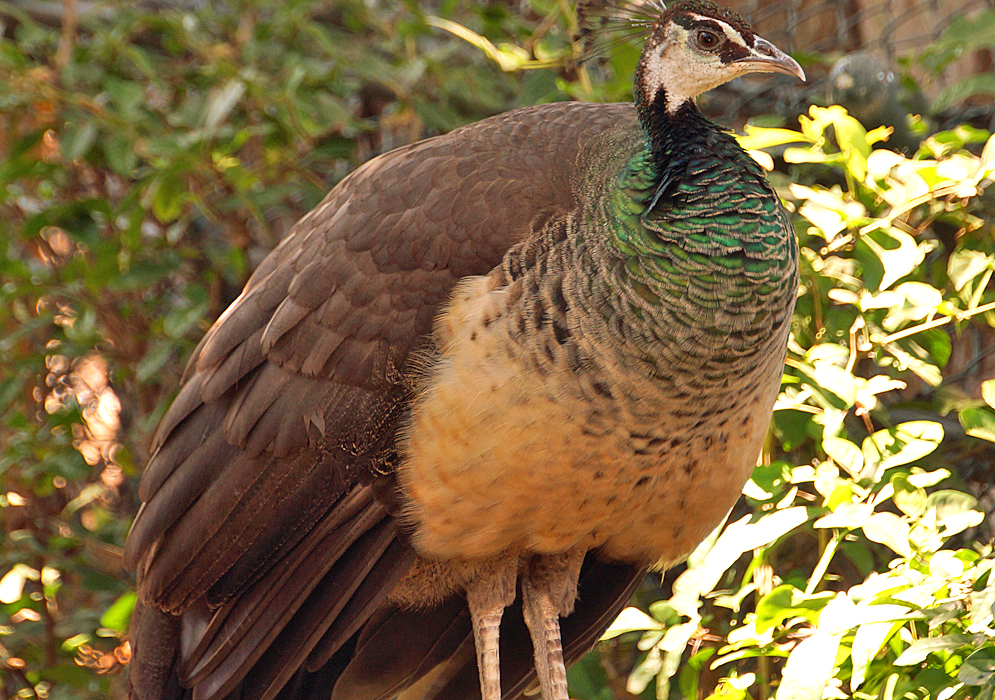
<point>685,70</point>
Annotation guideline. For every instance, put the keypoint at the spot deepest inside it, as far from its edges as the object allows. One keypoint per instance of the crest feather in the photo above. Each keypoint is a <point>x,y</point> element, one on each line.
<point>604,24</point>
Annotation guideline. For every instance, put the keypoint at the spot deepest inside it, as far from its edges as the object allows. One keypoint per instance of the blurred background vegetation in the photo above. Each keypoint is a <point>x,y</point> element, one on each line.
<point>151,155</point>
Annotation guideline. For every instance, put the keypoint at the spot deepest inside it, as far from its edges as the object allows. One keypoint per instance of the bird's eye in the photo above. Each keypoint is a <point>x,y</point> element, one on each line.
<point>706,40</point>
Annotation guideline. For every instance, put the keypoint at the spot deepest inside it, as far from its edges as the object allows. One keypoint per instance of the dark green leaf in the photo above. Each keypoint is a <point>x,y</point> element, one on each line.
<point>77,139</point>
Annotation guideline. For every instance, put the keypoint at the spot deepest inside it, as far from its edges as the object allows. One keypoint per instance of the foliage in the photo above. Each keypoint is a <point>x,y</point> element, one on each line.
<point>149,162</point>
<point>819,610</point>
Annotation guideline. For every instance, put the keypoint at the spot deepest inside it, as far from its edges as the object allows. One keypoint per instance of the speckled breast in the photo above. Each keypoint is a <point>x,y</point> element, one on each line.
<point>536,430</point>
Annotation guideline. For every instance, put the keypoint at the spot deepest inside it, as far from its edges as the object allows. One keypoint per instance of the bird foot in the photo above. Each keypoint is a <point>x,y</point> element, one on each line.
<point>549,590</point>
<point>488,595</point>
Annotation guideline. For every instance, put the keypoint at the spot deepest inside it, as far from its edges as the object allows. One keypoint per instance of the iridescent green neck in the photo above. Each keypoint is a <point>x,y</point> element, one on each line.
<point>693,187</point>
<point>700,240</point>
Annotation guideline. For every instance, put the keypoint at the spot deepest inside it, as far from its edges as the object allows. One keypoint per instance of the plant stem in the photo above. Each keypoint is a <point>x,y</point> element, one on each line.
<point>935,323</point>
<point>820,568</point>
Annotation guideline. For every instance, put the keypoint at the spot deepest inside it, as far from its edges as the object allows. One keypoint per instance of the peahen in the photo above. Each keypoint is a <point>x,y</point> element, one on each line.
<point>508,367</point>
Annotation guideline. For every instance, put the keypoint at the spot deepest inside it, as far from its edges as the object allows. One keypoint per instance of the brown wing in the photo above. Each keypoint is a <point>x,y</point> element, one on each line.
<point>260,540</point>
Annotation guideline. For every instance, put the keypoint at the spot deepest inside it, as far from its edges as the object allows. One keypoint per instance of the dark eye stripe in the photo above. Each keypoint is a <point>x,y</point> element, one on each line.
<point>732,51</point>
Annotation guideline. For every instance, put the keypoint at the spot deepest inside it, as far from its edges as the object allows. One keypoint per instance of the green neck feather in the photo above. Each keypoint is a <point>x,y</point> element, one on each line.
<point>698,235</point>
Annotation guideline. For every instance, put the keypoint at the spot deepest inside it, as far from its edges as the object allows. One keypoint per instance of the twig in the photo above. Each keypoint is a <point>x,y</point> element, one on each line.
<point>52,642</point>
<point>70,19</point>
<point>936,323</point>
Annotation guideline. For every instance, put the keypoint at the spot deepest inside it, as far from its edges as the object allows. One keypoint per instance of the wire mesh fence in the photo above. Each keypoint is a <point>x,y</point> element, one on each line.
<point>891,34</point>
<point>894,27</point>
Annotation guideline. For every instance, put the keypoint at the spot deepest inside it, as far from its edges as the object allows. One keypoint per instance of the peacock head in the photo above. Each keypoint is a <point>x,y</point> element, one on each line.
<point>696,45</point>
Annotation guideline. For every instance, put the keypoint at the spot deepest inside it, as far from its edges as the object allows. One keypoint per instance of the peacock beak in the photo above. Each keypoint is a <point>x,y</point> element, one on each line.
<point>767,58</point>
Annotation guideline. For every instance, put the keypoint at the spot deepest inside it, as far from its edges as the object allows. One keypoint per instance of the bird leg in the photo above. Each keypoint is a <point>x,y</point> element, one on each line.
<point>488,595</point>
<point>549,589</point>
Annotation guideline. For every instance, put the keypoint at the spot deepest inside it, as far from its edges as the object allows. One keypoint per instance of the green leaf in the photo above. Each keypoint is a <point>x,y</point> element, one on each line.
<point>737,538</point>
<point>923,479</point>
<point>77,139</point>
<point>964,34</point>
<point>925,370</point>
<point>979,422</point>
<point>922,648</point>
<point>987,168</point>
<point>772,478</point>
<point>118,615</point>
<point>180,321</point>
<point>988,392</point>
<point>902,444</point>
<point>848,516</point>
<point>965,264</point>
<point>126,95</point>
<point>509,58</point>
<point>168,196</point>
<point>221,103</point>
<point>793,154</point>
<point>75,641</point>
<point>664,612</point>
<point>154,360</point>
<point>953,510</point>
<point>852,139</point>
<point>910,499</point>
<point>827,209</point>
<point>945,564</point>
<point>837,381</point>
<point>871,268</point>
<point>845,454</point>
<point>12,585</point>
<point>631,620</point>
<point>978,668</point>
<point>120,154</point>
<point>936,341</point>
<point>898,252</point>
<point>867,642</point>
<point>890,530</point>
<point>810,665</point>
<point>67,675</point>
<point>757,137</point>
<point>786,602</point>
<point>645,671</point>
<point>965,88</point>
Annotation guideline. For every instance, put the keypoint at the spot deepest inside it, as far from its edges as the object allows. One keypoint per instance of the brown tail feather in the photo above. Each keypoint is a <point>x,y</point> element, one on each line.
<point>247,626</point>
<point>345,598</point>
<point>397,647</point>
